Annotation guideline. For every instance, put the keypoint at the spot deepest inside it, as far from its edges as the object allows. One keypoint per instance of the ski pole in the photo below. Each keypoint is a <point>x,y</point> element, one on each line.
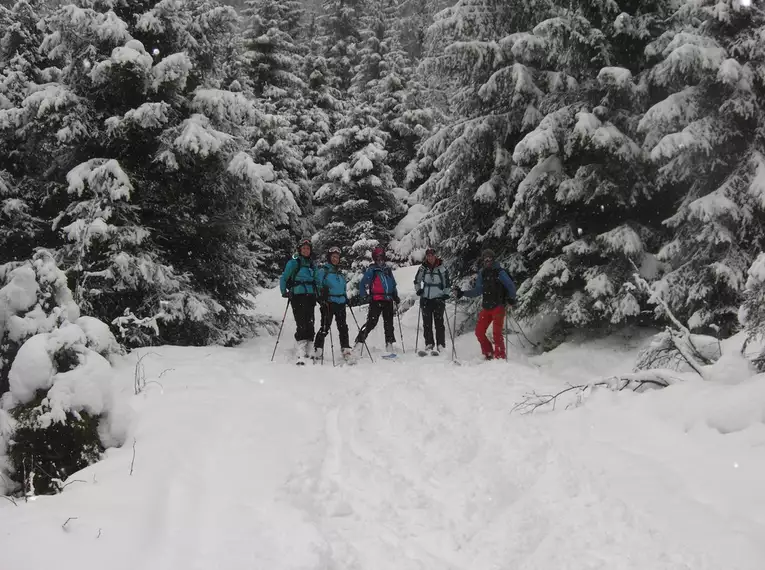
<point>358,327</point>
<point>451,335</point>
<point>280,328</point>
<point>506,319</point>
<point>417,336</point>
<point>400,332</point>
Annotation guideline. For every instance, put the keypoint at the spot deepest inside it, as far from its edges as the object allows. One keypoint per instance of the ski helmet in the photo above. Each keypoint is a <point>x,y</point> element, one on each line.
<point>333,249</point>
<point>305,242</point>
<point>430,250</point>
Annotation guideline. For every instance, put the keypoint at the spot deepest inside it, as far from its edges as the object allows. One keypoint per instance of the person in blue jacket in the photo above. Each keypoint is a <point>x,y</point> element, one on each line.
<point>298,283</point>
<point>497,288</point>
<point>378,286</point>
<point>333,298</point>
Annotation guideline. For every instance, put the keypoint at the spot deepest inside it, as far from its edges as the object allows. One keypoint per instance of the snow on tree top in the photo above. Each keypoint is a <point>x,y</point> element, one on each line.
<point>696,136</point>
<point>757,185</point>
<point>42,100</point>
<point>198,137</point>
<point>756,273</point>
<point>122,56</point>
<point>517,79</point>
<point>624,240</point>
<point>713,206</point>
<point>146,116</point>
<point>615,77</point>
<point>256,175</point>
<point>677,110</point>
<point>173,68</point>
<point>106,27</point>
<point>688,55</point>
<point>485,193</point>
<point>225,107</point>
<point>102,176</point>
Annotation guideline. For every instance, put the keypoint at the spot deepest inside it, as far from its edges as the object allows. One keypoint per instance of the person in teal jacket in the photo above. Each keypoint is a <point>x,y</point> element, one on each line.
<point>333,298</point>
<point>298,283</point>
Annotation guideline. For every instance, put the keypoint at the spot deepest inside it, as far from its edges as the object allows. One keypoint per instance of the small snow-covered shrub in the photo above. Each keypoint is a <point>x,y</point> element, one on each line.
<point>752,313</point>
<point>34,298</point>
<point>667,350</point>
<point>58,381</point>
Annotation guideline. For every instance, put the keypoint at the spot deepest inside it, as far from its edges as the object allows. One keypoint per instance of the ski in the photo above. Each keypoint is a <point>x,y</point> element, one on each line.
<point>391,356</point>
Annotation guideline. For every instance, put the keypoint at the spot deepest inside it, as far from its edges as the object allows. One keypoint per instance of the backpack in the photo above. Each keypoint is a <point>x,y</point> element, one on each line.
<point>494,292</point>
<point>298,266</point>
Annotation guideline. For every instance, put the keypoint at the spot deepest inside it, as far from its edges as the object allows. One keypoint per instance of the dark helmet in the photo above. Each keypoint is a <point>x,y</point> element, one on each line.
<point>378,253</point>
<point>305,242</point>
<point>333,249</point>
<point>430,250</point>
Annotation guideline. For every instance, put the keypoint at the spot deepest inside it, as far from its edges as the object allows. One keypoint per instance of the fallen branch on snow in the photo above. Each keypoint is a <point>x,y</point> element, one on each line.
<point>635,381</point>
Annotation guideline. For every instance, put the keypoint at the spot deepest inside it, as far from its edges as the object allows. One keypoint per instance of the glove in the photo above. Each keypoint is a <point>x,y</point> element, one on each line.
<point>324,294</point>
<point>419,292</point>
<point>444,297</point>
<point>512,301</point>
<point>287,295</point>
<point>396,299</point>
<point>458,293</point>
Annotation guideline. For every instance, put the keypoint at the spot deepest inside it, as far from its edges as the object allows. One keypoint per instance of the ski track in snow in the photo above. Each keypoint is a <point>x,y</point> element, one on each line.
<point>414,464</point>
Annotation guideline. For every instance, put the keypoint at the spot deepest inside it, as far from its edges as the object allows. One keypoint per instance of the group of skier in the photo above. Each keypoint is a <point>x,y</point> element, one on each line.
<point>305,284</point>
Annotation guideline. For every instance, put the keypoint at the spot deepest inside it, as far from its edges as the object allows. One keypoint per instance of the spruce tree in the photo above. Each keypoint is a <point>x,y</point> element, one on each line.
<point>147,161</point>
<point>341,31</point>
<point>706,137</point>
<point>584,215</point>
<point>752,313</point>
<point>356,204</point>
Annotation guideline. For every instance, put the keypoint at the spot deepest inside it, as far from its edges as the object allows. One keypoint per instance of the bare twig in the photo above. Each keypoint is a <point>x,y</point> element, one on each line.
<point>645,378</point>
<point>99,533</point>
<point>67,522</point>
<point>11,499</point>
<point>132,462</point>
<point>139,374</point>
<point>70,482</point>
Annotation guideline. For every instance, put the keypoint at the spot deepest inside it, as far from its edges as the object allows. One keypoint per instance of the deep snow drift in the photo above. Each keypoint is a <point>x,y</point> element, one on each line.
<point>234,462</point>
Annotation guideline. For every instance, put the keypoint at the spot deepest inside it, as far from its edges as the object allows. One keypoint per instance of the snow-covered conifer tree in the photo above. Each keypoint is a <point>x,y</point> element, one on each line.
<point>55,377</point>
<point>146,157</point>
<point>356,204</point>
<point>705,136</point>
<point>465,170</point>
<point>752,314</point>
<point>341,30</point>
<point>271,61</point>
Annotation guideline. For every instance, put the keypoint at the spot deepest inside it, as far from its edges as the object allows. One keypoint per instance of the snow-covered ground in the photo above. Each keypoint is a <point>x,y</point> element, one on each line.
<point>416,464</point>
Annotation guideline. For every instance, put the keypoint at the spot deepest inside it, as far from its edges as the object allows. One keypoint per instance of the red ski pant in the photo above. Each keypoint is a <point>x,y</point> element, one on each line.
<point>485,318</point>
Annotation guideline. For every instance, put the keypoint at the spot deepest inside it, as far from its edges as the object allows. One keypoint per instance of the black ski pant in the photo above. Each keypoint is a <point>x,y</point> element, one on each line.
<point>433,309</point>
<point>375,309</point>
<point>328,312</point>
<point>303,310</point>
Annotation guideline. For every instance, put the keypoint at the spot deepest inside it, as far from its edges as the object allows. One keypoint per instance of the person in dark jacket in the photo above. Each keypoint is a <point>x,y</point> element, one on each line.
<point>332,298</point>
<point>298,283</point>
<point>433,288</point>
<point>378,286</point>
<point>497,288</point>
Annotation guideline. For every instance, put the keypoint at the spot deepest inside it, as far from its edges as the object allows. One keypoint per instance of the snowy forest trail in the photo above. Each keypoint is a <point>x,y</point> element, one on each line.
<point>414,464</point>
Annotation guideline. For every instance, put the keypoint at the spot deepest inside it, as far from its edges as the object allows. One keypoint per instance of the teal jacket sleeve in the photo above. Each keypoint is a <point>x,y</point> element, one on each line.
<point>289,269</point>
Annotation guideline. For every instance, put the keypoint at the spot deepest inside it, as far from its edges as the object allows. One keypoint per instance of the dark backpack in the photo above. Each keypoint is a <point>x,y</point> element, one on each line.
<point>494,292</point>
